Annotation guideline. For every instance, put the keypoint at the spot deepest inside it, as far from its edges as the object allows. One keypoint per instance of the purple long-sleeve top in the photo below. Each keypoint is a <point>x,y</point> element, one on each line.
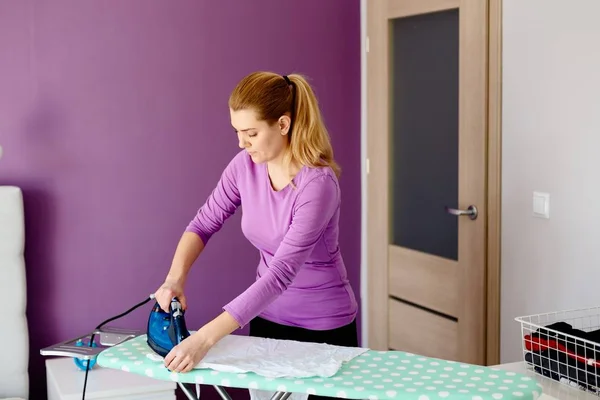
<point>301,278</point>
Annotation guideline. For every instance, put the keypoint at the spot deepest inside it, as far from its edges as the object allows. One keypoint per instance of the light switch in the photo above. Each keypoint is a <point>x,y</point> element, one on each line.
<point>541,205</point>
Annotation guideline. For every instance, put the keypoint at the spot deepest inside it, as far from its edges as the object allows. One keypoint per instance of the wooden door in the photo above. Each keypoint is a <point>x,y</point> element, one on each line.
<point>427,130</point>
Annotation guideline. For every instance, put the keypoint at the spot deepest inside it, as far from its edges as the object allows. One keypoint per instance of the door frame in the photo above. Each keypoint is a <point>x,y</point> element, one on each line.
<point>374,270</point>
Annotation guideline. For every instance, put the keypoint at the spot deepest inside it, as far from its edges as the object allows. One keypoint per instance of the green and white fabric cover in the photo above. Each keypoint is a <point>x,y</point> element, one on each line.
<point>374,375</point>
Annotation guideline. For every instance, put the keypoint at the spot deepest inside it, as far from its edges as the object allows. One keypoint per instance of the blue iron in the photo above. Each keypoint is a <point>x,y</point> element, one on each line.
<point>166,330</point>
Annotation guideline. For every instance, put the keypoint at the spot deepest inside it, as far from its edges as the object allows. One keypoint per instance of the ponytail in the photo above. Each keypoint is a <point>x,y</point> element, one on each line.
<point>309,140</point>
<point>271,96</point>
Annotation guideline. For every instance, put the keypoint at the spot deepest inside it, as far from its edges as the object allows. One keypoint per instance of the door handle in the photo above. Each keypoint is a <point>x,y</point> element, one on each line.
<point>471,212</point>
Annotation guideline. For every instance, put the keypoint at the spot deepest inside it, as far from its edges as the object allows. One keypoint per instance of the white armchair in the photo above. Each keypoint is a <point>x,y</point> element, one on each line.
<point>14,378</point>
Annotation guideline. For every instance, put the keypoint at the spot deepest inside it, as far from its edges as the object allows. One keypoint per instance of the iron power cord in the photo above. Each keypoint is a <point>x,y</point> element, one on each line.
<point>87,367</point>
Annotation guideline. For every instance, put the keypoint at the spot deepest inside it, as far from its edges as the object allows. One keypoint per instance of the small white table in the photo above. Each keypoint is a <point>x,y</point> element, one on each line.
<point>551,389</point>
<point>65,382</point>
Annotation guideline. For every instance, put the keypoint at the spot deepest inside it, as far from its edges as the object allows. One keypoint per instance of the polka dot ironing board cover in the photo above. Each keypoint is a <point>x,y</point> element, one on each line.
<point>372,375</point>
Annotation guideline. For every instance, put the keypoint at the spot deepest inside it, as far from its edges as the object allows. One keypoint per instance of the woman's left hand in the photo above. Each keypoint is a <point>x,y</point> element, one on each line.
<point>187,354</point>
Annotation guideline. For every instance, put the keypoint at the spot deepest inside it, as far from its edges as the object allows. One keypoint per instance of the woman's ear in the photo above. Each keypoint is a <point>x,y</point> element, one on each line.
<point>284,124</point>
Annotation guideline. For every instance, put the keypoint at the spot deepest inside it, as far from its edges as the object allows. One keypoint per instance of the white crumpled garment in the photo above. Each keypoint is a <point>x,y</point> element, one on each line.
<point>277,358</point>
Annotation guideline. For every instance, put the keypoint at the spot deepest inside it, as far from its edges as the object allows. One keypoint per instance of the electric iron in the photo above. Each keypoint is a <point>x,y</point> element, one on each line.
<point>166,330</point>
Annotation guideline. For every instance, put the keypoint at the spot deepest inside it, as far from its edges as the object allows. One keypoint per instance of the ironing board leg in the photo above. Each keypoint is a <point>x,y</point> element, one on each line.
<point>280,396</point>
<point>225,396</point>
<point>187,391</point>
<point>276,396</point>
<point>222,392</point>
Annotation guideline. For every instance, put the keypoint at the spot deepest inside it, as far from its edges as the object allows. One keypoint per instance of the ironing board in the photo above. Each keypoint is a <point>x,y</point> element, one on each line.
<point>374,375</point>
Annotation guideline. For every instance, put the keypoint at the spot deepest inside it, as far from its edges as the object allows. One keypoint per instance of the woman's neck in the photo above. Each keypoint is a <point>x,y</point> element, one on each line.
<point>281,174</point>
<point>279,165</point>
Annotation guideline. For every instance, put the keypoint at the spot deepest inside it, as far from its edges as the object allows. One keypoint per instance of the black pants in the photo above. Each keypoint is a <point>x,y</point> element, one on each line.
<point>344,336</point>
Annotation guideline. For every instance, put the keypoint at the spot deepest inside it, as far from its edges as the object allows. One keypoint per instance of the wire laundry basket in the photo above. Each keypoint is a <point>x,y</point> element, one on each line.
<point>564,346</point>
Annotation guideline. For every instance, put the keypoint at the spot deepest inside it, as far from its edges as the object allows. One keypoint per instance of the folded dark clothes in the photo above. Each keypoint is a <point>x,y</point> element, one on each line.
<point>546,338</point>
<point>558,366</point>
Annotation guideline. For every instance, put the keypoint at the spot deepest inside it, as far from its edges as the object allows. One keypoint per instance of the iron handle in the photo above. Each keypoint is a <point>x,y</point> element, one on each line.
<point>471,212</point>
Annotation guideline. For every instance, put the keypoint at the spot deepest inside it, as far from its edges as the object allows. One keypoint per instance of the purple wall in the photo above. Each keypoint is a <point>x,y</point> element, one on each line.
<point>114,121</point>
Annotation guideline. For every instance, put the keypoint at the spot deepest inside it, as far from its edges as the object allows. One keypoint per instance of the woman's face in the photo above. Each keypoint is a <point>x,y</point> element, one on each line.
<point>262,141</point>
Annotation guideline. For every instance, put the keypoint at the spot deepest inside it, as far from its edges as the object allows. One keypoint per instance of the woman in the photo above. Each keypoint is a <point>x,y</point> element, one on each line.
<point>286,179</point>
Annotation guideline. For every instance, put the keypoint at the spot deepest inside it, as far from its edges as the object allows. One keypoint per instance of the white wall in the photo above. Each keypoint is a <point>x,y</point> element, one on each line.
<point>551,143</point>
<point>363,175</point>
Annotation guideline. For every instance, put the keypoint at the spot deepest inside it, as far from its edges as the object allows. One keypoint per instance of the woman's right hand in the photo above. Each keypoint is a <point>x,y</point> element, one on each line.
<point>168,290</point>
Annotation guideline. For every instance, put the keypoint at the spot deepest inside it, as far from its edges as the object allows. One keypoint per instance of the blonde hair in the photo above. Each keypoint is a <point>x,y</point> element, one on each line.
<point>271,96</point>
